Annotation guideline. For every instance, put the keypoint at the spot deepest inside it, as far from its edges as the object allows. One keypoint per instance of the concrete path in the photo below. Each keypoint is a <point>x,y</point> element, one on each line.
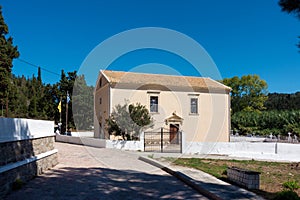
<point>94,173</point>
<point>204,183</point>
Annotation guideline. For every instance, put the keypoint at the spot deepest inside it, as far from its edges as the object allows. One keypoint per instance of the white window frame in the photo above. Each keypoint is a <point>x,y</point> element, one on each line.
<point>191,97</point>
<point>154,94</point>
<point>192,106</point>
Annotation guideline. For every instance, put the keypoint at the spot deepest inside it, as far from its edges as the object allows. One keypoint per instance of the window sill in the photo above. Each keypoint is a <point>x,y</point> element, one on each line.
<point>154,113</point>
<point>194,114</point>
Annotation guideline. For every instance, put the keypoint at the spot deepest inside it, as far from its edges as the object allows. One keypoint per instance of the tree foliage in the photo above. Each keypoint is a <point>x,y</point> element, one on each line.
<point>31,98</point>
<point>255,111</point>
<point>8,52</point>
<point>82,108</point>
<point>291,6</point>
<point>277,101</point>
<point>267,122</point>
<point>248,93</point>
<point>129,120</point>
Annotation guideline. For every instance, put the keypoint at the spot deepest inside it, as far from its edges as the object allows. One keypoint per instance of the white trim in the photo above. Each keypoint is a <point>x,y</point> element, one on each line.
<point>190,105</point>
<point>158,101</point>
<point>26,161</point>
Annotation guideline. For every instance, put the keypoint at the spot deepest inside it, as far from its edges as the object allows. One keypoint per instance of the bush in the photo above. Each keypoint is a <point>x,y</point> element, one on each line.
<point>291,185</point>
<point>287,195</point>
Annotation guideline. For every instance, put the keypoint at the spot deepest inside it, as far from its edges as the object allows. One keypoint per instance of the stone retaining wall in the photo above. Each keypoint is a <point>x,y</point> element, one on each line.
<point>25,153</point>
<point>19,150</point>
<point>25,173</point>
<point>246,178</point>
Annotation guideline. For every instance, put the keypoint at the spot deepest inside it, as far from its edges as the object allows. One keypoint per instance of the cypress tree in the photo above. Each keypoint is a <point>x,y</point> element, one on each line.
<point>8,52</point>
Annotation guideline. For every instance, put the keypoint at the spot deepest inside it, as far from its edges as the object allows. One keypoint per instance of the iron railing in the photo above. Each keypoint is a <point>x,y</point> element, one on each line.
<point>163,141</point>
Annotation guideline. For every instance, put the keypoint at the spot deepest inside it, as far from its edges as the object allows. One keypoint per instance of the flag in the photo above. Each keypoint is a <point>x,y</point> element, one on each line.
<point>68,98</point>
<point>59,107</point>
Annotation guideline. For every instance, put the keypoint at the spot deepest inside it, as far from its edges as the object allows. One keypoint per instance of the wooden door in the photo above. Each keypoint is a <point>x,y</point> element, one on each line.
<point>174,128</point>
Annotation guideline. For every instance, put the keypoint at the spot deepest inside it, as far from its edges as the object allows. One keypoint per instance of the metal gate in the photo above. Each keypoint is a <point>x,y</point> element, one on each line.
<point>163,141</point>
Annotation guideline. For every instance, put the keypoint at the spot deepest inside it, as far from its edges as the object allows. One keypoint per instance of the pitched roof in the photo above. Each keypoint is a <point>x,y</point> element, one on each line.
<point>131,80</point>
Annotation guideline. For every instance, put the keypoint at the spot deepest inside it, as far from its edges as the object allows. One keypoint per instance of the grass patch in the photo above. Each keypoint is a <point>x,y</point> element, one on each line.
<point>273,174</point>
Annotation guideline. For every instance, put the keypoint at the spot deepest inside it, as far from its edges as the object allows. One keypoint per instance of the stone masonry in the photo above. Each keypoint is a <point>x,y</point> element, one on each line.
<point>246,178</point>
<point>15,152</point>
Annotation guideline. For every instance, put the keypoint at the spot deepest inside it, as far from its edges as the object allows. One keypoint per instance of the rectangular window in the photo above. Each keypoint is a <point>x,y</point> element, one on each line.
<point>100,100</point>
<point>194,106</point>
<point>153,103</point>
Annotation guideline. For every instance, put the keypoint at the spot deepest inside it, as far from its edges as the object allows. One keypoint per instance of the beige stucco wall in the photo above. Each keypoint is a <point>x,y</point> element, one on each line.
<point>211,124</point>
<point>101,110</point>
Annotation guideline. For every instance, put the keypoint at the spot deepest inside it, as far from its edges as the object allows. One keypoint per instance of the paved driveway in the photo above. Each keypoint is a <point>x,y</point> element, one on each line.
<point>94,173</point>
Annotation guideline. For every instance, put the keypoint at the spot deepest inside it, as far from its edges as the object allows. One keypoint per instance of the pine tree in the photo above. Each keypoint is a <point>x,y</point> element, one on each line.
<point>39,78</point>
<point>8,52</point>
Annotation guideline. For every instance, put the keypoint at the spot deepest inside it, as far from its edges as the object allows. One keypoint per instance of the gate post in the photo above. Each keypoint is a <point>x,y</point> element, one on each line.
<point>142,141</point>
<point>183,142</point>
<point>161,139</point>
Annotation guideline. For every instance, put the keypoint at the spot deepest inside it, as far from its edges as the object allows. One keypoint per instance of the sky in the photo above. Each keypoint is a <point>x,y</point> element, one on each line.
<point>240,37</point>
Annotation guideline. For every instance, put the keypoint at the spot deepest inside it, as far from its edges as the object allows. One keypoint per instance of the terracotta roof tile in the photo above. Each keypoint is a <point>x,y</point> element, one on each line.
<point>137,80</point>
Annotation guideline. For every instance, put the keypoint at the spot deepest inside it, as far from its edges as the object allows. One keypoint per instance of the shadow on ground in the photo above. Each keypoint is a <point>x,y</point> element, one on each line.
<point>102,183</point>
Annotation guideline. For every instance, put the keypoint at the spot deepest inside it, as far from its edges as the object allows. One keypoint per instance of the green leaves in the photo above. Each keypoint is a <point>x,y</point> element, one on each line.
<point>82,104</point>
<point>278,101</point>
<point>8,52</point>
<point>249,93</point>
<point>291,6</point>
<point>129,120</point>
<point>266,122</point>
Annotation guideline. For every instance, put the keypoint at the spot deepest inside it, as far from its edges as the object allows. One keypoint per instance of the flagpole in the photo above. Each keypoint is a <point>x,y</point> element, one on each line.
<point>60,112</point>
<point>67,112</point>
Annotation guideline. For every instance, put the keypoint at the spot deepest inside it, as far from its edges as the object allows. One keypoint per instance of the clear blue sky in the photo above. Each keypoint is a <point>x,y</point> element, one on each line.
<point>242,37</point>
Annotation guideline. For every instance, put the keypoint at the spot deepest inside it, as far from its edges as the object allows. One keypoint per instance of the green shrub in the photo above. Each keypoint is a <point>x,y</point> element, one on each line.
<point>287,195</point>
<point>224,172</point>
<point>266,122</point>
<point>291,185</point>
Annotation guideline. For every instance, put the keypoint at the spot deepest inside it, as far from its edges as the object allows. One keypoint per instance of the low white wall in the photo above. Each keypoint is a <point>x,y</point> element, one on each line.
<point>266,151</point>
<point>81,140</point>
<point>13,129</point>
<point>101,143</point>
<point>83,134</point>
<point>93,142</point>
<point>125,145</point>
